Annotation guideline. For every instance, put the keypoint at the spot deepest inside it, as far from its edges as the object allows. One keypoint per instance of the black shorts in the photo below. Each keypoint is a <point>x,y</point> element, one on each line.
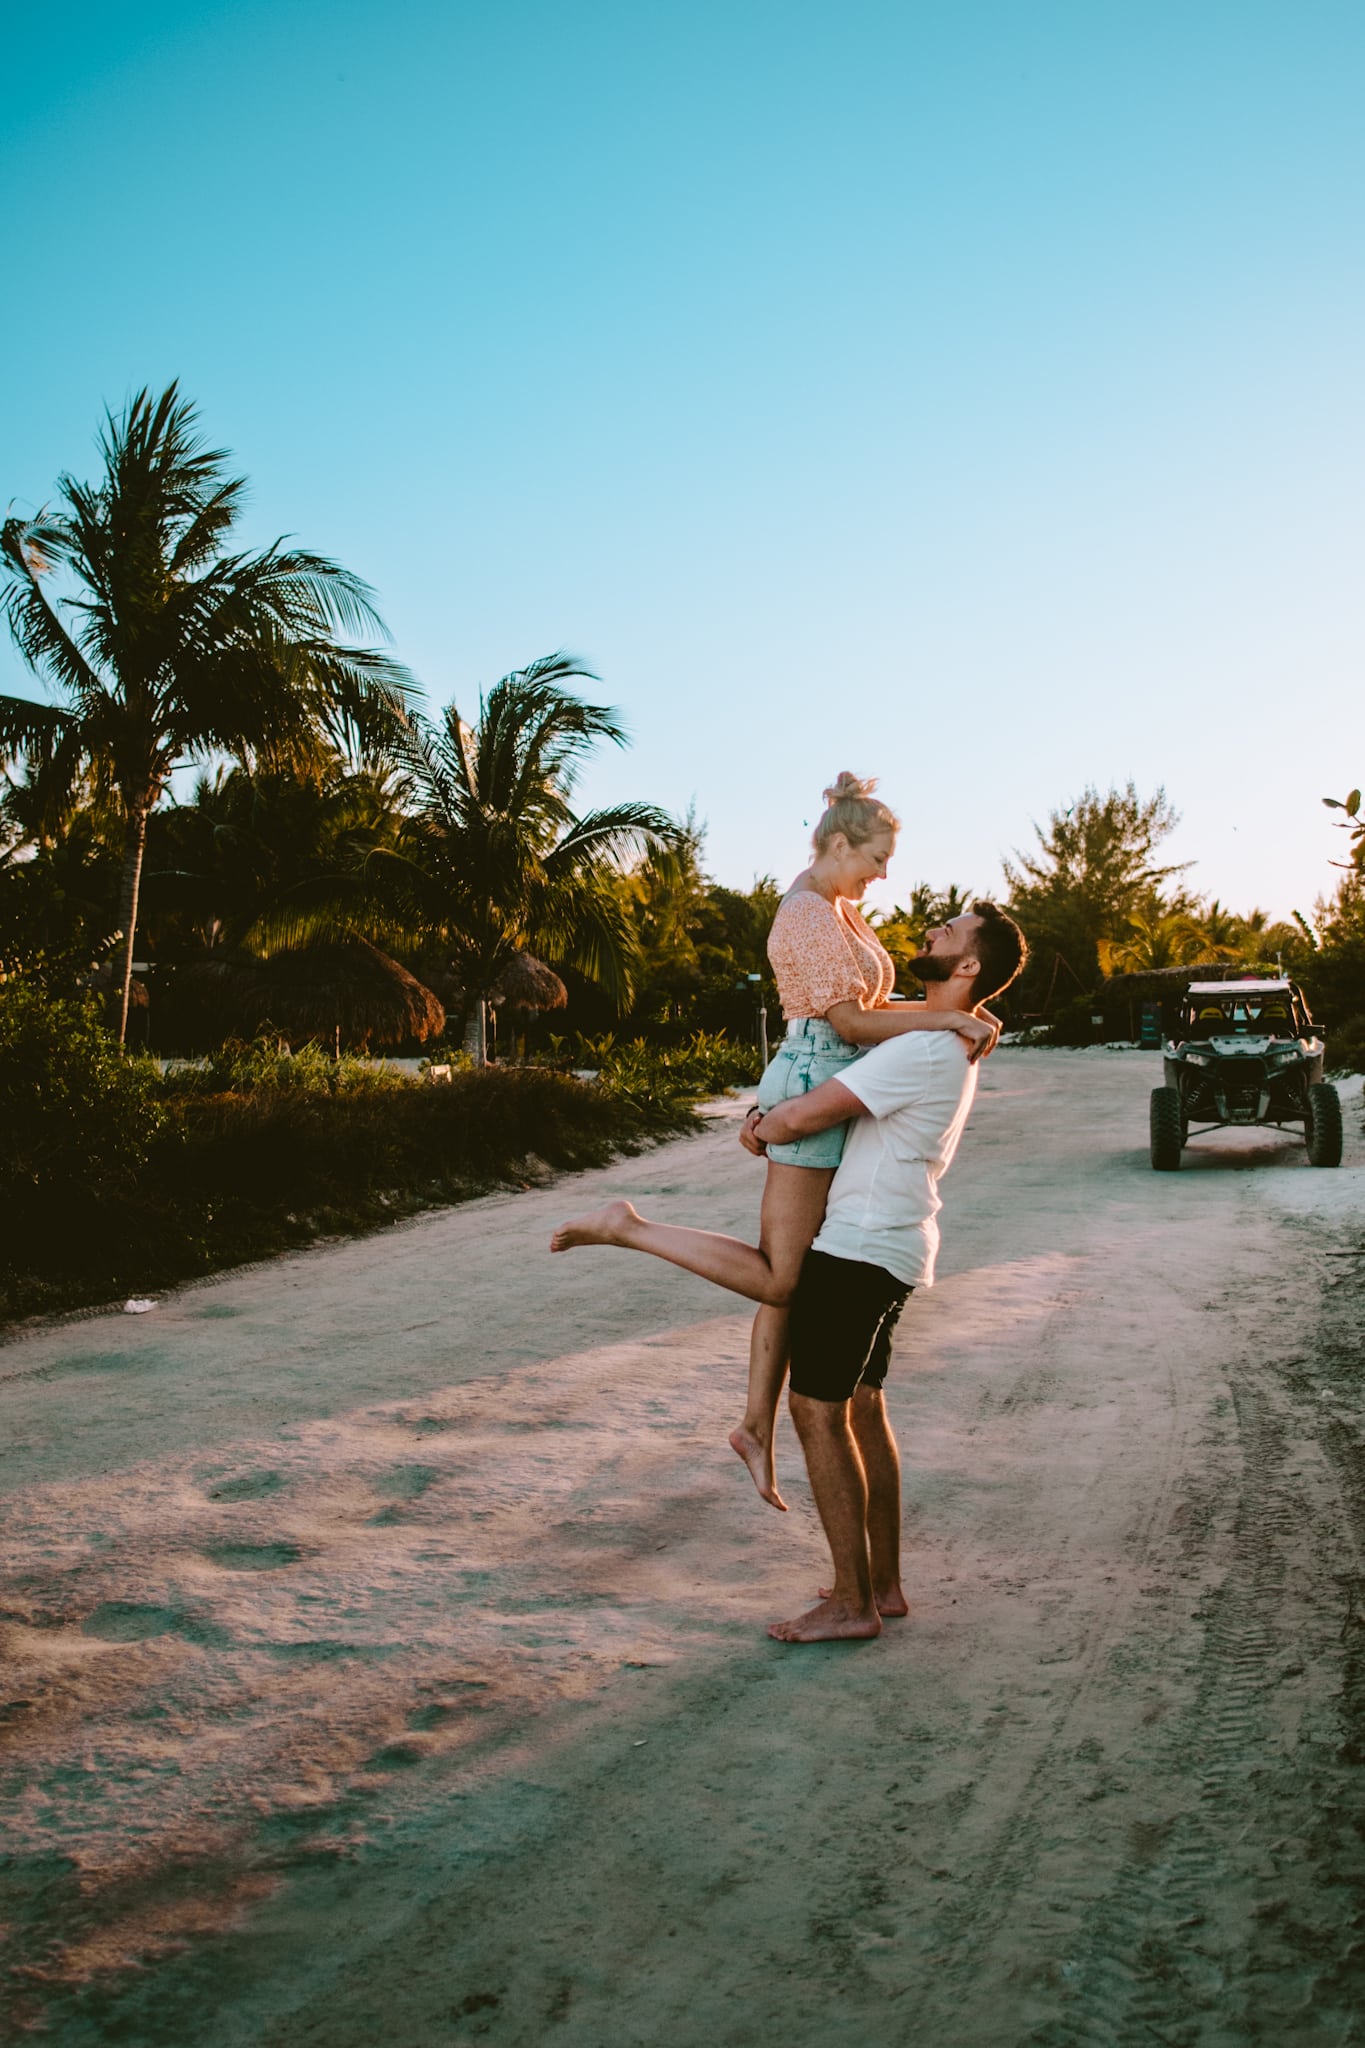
<point>843,1315</point>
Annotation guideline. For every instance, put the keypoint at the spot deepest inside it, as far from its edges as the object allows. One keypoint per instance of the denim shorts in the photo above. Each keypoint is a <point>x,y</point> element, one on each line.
<point>811,1052</point>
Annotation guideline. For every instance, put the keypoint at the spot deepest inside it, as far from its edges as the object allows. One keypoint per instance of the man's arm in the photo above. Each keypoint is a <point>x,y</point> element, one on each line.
<point>819,1110</point>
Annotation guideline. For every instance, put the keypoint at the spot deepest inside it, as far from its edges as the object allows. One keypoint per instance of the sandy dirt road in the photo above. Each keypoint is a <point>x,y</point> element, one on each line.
<point>384,1650</point>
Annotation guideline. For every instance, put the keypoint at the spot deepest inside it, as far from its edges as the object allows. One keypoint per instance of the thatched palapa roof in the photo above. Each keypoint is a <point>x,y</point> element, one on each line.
<point>528,984</point>
<point>1159,984</point>
<point>524,984</point>
<point>307,992</point>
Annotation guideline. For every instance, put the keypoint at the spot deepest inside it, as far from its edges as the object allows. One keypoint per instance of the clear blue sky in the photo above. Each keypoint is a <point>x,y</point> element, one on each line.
<point>965,392</point>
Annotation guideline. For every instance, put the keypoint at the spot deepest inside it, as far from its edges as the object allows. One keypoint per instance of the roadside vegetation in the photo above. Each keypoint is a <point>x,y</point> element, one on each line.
<point>1110,922</point>
<point>119,1180</point>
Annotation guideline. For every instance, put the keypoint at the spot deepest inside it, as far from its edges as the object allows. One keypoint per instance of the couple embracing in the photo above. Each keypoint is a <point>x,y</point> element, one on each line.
<point>859,1115</point>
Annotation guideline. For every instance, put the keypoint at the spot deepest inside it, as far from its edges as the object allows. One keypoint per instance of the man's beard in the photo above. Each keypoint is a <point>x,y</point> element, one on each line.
<point>933,966</point>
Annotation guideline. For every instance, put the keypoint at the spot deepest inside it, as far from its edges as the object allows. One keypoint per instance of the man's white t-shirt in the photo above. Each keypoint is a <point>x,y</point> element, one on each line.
<point>882,1207</point>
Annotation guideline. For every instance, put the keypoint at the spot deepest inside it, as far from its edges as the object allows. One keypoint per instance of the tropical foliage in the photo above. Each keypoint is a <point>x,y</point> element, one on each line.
<point>330,809</point>
<point>115,1179</point>
<point>160,645</point>
<point>487,858</point>
<point>497,862</point>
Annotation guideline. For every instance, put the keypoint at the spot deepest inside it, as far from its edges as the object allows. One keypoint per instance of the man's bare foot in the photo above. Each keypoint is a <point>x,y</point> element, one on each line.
<point>758,1456</point>
<point>833,1621</point>
<point>892,1605</point>
<point>604,1226</point>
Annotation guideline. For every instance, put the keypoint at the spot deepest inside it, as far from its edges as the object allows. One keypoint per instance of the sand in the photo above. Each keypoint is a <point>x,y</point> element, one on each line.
<point>384,1630</point>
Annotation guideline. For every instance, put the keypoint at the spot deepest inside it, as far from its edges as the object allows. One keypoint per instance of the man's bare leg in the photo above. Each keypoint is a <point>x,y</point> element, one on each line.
<point>793,1207</point>
<point>848,1612</point>
<point>882,1464</point>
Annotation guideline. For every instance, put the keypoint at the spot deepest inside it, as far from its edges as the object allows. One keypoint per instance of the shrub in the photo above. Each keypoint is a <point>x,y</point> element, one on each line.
<point>267,1066</point>
<point>1346,1047</point>
<point>78,1118</point>
<point>661,1080</point>
<point>230,1174</point>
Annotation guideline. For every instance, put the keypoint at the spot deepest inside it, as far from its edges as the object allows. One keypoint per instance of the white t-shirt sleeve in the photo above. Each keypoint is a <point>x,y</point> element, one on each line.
<point>903,1070</point>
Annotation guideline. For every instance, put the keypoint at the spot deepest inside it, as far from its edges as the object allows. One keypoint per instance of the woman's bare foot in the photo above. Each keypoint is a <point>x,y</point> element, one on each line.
<point>758,1456</point>
<point>604,1226</point>
<point>892,1605</point>
<point>833,1621</point>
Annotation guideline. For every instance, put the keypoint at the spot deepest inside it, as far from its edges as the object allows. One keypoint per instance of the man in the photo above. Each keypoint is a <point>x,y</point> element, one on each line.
<point>906,1103</point>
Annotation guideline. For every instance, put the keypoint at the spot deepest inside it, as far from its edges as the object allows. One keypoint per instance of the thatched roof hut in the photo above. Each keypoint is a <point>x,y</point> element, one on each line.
<point>347,992</point>
<point>524,984</point>
<point>1120,998</point>
<point>528,984</point>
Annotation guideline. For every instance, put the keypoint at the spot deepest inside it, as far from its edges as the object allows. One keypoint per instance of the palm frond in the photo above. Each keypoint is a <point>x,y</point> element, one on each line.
<point>28,549</point>
<point>612,834</point>
<point>586,927</point>
<point>203,534</point>
<point>307,592</point>
<point>388,897</point>
<point>31,732</point>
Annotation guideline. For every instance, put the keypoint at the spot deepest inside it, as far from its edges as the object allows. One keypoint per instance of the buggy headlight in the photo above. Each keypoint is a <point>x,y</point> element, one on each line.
<point>1197,1059</point>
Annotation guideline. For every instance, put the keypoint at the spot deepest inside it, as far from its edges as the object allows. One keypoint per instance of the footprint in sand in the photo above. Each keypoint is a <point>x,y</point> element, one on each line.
<point>400,1486</point>
<point>396,1756</point>
<point>130,1621</point>
<point>422,1720</point>
<point>252,1557</point>
<point>249,1486</point>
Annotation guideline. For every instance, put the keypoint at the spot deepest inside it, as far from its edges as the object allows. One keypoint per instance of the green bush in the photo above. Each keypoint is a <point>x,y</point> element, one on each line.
<point>1073,1023</point>
<point>661,1080</point>
<point>115,1180</point>
<point>1346,1047</point>
<point>78,1118</point>
<point>198,1175</point>
<point>266,1066</point>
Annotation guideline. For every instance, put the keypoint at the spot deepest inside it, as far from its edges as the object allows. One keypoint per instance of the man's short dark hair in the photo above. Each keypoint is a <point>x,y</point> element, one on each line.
<point>1001,948</point>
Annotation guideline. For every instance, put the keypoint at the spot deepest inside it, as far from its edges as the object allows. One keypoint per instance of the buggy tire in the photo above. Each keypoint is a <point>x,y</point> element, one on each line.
<point>1322,1131</point>
<point>1168,1130</point>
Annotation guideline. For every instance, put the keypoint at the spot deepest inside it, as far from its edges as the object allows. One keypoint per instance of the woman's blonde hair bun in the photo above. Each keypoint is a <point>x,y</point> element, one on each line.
<point>846,785</point>
<point>852,809</point>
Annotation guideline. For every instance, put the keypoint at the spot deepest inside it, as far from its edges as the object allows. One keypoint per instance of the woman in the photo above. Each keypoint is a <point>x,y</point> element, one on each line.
<point>834,978</point>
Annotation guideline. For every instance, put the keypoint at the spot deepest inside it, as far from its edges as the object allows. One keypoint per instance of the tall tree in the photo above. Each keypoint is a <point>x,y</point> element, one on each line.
<point>494,860</point>
<point>1161,938</point>
<point>161,646</point>
<point>1094,868</point>
<point>247,840</point>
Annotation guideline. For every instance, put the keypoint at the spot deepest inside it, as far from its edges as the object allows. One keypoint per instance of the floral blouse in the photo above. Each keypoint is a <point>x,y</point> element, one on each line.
<point>824,953</point>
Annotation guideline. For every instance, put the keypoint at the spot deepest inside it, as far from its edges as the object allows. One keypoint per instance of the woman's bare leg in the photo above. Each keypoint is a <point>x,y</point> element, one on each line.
<point>794,1200</point>
<point>754,1438</point>
<point>728,1261</point>
<point>793,1205</point>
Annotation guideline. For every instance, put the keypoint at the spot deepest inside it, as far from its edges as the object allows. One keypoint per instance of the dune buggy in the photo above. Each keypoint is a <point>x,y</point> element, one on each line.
<point>1244,1052</point>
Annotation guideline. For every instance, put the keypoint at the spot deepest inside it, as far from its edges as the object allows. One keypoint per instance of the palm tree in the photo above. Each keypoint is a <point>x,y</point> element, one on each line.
<point>902,930</point>
<point>514,868</point>
<point>494,860</point>
<point>1234,935</point>
<point>1159,937</point>
<point>165,647</point>
<point>246,839</point>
